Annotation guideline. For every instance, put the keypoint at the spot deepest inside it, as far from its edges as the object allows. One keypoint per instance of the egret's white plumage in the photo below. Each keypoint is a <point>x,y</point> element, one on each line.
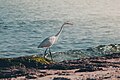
<point>48,42</point>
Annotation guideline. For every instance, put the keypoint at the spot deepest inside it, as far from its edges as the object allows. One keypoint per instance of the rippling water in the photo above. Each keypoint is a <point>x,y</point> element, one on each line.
<point>25,23</point>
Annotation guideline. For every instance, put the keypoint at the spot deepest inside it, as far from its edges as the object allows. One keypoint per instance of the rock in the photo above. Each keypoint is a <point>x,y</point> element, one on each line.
<point>13,68</point>
<point>60,78</point>
<point>107,77</point>
<point>114,55</point>
<point>91,79</point>
<point>26,61</point>
<point>41,75</point>
<point>118,76</point>
<point>88,69</point>
<point>31,76</point>
<point>19,72</point>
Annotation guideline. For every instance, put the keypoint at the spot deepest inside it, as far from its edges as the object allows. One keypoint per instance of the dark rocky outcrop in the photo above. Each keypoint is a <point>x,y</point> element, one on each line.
<point>29,66</point>
<point>61,78</point>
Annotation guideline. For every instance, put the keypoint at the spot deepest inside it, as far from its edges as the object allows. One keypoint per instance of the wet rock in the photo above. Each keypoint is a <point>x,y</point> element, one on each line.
<point>29,76</point>
<point>19,72</point>
<point>9,73</point>
<point>106,49</point>
<point>114,55</point>
<point>61,78</point>
<point>91,79</point>
<point>23,66</point>
<point>62,73</point>
<point>118,76</point>
<point>107,77</point>
<point>88,69</point>
<point>26,61</point>
<point>41,75</point>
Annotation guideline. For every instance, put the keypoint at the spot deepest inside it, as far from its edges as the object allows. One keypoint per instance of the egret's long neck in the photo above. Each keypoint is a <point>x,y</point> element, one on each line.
<point>60,31</point>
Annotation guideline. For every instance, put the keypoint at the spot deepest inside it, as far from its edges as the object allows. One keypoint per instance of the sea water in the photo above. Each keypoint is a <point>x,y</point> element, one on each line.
<point>24,24</point>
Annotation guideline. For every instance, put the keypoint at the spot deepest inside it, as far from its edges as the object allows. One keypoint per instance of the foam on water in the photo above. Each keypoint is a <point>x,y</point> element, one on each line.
<point>83,53</point>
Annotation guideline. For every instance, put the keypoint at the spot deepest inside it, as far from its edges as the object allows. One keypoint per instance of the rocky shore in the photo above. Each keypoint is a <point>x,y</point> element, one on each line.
<point>33,67</point>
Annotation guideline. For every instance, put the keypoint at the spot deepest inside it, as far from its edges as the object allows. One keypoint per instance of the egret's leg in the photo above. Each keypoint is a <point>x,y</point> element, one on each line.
<point>45,52</point>
<point>50,54</point>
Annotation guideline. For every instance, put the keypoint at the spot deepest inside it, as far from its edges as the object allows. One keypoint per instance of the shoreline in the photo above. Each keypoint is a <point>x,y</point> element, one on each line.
<point>93,68</point>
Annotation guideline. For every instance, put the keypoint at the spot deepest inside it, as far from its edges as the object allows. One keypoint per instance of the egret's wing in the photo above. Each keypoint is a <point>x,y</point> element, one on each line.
<point>45,43</point>
<point>48,42</point>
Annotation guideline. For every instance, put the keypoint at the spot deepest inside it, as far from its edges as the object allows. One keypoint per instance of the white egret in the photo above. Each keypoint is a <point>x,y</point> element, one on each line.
<point>48,42</point>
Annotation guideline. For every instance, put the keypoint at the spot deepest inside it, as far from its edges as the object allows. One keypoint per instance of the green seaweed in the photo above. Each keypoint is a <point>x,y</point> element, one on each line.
<point>27,61</point>
<point>41,60</point>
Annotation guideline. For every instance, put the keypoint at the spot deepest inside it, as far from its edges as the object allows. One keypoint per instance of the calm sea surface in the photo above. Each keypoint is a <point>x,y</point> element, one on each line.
<point>25,23</point>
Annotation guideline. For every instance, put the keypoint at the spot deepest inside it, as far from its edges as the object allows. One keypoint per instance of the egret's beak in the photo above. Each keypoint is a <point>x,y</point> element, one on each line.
<point>68,23</point>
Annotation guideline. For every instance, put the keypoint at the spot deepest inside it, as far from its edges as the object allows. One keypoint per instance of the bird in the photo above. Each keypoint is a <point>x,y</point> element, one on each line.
<point>49,41</point>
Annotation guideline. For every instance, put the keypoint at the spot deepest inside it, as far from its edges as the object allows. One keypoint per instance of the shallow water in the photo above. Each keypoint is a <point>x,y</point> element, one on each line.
<point>25,23</point>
